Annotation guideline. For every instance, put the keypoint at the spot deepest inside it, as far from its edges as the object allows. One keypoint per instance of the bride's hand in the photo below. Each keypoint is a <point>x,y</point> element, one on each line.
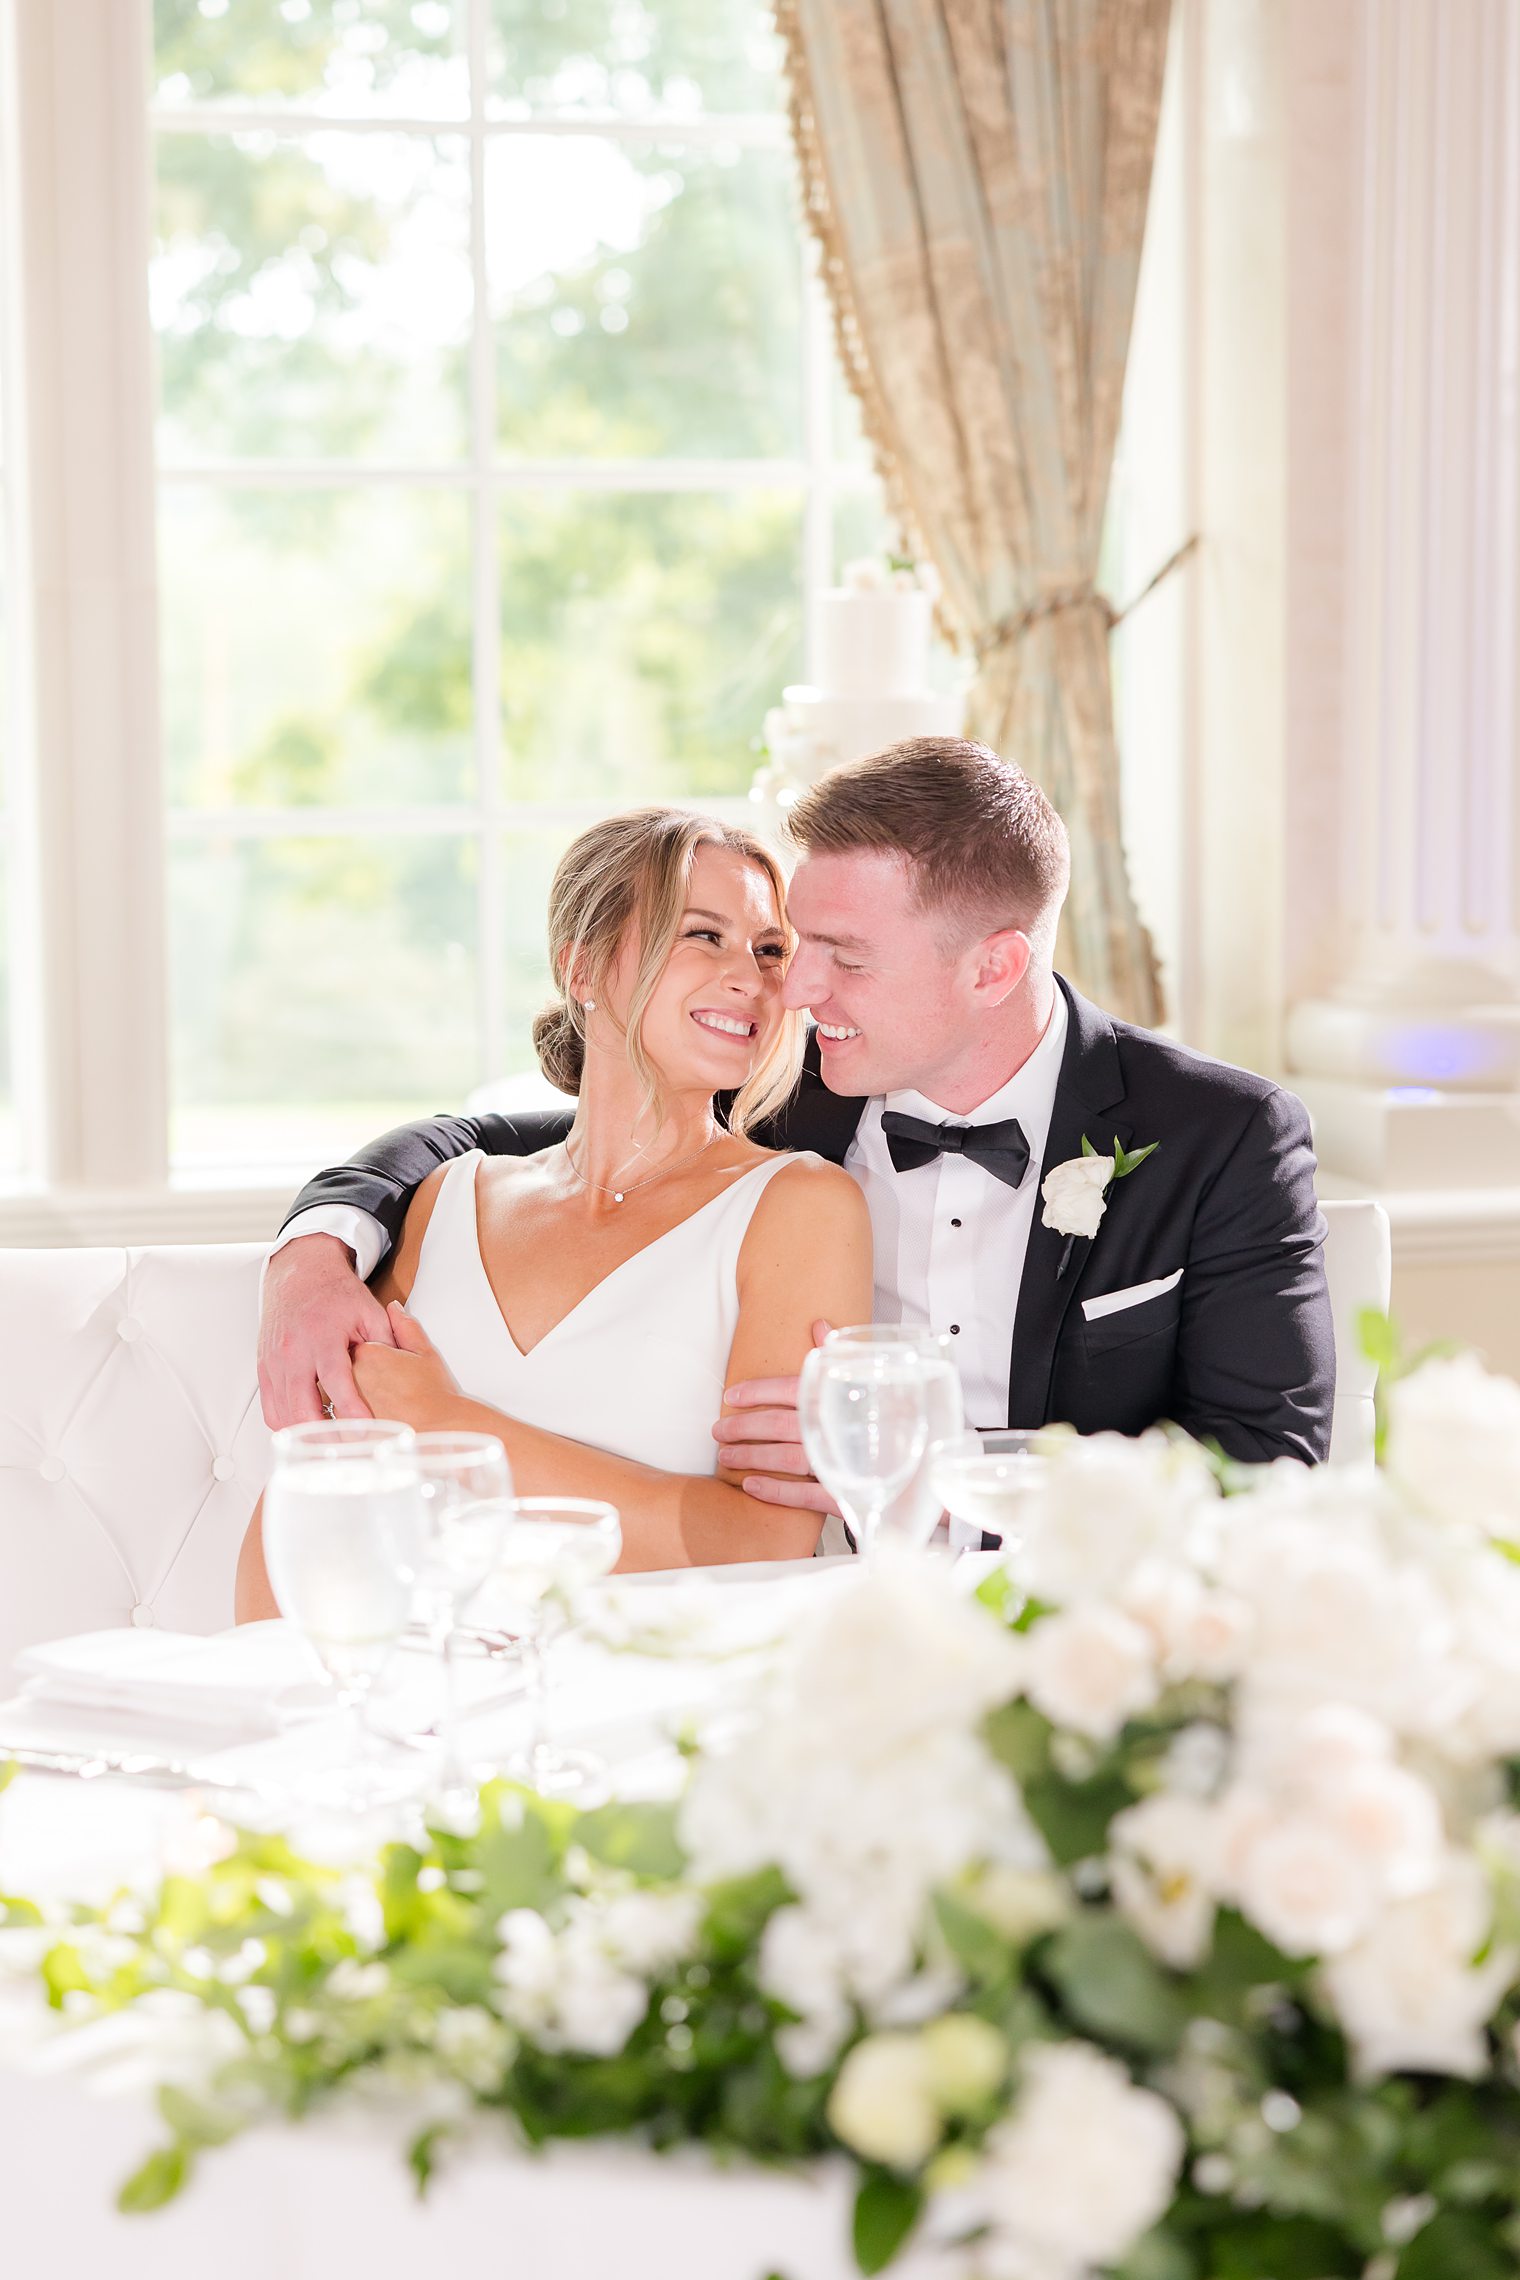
<point>409,1382</point>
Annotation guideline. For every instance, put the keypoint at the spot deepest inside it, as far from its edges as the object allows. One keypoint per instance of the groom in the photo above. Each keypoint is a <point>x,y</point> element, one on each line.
<point>1115,1230</point>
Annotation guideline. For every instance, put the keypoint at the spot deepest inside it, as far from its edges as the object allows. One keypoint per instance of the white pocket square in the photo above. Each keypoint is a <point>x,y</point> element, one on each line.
<point>1115,1301</point>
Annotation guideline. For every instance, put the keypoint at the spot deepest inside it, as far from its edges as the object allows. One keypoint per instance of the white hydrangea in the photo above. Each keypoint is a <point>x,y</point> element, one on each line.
<point>867,1783</point>
<point>1085,2164</point>
<point>1453,1437</point>
<point>584,1986</point>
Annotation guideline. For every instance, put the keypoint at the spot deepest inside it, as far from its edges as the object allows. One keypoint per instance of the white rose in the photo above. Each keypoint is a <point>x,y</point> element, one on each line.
<point>1409,1994</point>
<point>1197,1633</point>
<point>883,2104</point>
<point>1297,1881</point>
<point>1453,1432</point>
<point>1090,1668</point>
<point>1073,1194</point>
<point>1085,2164</point>
<point>1161,1855</point>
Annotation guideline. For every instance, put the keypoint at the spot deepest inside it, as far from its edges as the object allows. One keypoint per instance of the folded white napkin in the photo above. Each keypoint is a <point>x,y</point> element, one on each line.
<point>252,1681</point>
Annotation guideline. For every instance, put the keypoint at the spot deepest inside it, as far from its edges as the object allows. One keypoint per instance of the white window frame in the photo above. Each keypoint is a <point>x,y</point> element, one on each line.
<point>92,1071</point>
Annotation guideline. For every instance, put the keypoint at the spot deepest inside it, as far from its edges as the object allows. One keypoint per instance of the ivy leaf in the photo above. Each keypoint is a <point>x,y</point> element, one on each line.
<point>161,2176</point>
<point>63,1974</point>
<point>519,1868</point>
<point>193,2124</point>
<point>1112,1986</point>
<point>1019,1738</point>
<point>886,2210</point>
<point>981,1951</point>
<point>641,1838</point>
<point>1073,1816</point>
<point>422,2155</point>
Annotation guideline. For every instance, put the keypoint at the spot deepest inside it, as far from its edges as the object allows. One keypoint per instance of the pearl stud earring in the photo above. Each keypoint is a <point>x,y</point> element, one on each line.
<point>588,1005</point>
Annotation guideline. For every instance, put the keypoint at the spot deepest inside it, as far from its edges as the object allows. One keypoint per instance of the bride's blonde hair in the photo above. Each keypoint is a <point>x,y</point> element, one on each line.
<point>636,867</point>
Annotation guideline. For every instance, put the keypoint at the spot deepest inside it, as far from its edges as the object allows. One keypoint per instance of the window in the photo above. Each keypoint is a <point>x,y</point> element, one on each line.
<point>499,450</point>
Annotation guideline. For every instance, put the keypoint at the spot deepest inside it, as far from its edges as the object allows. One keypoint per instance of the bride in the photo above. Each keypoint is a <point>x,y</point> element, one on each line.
<point>590,1304</point>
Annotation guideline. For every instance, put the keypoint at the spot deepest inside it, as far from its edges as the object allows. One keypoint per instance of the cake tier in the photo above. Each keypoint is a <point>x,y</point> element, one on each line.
<point>830,729</point>
<point>872,644</point>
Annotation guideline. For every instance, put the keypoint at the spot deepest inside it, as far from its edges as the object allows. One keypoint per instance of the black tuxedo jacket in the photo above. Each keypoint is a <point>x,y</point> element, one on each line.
<point>1239,1351</point>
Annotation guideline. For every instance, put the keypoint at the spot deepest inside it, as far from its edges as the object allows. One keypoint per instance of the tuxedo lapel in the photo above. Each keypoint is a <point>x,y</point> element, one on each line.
<point>1090,1091</point>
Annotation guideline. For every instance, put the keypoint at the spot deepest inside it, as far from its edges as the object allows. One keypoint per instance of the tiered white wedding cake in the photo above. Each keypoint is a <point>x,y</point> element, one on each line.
<point>871,649</point>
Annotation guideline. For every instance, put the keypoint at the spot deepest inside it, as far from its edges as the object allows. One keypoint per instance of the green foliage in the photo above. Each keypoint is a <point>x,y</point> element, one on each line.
<point>886,2210</point>
<point>1112,1988</point>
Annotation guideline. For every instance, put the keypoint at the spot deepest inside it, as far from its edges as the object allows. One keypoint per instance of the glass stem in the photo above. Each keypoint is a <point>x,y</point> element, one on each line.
<point>532,1651</point>
<point>453,1771</point>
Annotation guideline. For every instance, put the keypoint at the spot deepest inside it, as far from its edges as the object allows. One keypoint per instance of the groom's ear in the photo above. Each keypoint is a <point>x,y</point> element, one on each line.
<point>1000,962</point>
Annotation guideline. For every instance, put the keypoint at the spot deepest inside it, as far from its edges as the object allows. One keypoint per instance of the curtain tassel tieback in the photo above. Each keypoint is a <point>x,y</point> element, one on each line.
<point>1010,631</point>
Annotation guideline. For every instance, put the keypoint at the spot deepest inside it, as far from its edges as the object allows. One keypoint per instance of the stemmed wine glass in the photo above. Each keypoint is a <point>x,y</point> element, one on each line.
<point>986,1482</point>
<point>343,1543</point>
<point>863,1414</point>
<point>555,1546</point>
<point>466,1505</point>
<point>914,1514</point>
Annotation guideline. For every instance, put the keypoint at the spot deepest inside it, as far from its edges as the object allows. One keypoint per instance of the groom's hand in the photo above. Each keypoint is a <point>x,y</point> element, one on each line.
<point>759,1427</point>
<point>315,1312</point>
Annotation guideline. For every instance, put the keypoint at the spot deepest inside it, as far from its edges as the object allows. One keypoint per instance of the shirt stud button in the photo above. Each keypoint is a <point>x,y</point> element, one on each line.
<point>142,1616</point>
<point>128,1330</point>
<point>955,1223</point>
<point>955,1329</point>
<point>222,1468</point>
<point>52,1468</point>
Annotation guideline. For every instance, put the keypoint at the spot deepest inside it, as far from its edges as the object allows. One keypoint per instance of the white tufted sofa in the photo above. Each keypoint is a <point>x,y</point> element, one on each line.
<point>132,1447</point>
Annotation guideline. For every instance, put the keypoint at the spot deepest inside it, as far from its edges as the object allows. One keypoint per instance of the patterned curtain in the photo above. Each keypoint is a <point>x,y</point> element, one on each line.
<point>977,174</point>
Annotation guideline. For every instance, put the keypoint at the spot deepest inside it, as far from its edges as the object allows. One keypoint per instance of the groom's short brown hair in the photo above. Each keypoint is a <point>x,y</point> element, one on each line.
<point>981,838</point>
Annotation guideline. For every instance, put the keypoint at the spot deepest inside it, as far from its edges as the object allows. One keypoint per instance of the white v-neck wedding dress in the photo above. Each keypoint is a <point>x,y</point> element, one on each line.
<point>638,1367</point>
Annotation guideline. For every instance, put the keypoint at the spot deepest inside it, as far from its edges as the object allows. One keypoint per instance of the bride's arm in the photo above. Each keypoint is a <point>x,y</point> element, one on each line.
<point>807,1253</point>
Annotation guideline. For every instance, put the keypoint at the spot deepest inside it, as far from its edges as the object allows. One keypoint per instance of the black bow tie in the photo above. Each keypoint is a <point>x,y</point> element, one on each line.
<point>1000,1149</point>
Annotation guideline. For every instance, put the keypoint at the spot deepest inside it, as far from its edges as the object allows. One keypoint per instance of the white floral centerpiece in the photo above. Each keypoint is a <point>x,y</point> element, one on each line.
<point>1154,1911</point>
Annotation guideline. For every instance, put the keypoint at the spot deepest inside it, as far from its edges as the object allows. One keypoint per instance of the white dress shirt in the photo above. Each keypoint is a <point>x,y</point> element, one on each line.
<point>949,1238</point>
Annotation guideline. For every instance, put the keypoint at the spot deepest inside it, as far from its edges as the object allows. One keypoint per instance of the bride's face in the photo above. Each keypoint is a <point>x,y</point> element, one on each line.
<point>717,1006</point>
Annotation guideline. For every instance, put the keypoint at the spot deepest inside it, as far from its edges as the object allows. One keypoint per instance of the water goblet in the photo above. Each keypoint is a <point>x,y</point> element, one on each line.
<point>914,1515</point>
<point>555,1546</point>
<point>863,1414</point>
<point>343,1541</point>
<point>986,1482</point>
<point>466,1504</point>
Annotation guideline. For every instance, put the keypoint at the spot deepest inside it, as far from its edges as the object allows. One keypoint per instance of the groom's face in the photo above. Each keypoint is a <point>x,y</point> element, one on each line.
<point>890,993</point>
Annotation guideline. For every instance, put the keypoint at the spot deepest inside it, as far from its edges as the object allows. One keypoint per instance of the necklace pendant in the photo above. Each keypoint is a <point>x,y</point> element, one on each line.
<point>617,1199</point>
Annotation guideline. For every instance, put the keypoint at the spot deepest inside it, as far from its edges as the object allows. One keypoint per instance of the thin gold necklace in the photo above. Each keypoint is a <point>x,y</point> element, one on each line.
<point>617,1194</point>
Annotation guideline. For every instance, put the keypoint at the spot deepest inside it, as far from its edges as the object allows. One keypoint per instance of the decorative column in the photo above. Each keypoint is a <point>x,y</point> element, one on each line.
<point>1411,1062</point>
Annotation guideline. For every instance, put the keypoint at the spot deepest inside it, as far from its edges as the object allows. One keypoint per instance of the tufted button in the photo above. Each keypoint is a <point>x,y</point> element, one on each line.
<point>53,1468</point>
<point>222,1468</point>
<point>143,1616</point>
<point>129,1329</point>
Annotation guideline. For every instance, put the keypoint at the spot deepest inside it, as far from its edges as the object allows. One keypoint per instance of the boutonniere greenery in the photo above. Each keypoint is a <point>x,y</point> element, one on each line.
<point>1076,1193</point>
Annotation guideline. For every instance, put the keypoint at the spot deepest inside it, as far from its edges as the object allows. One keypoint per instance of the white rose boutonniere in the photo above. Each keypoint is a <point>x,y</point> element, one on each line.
<point>1076,1193</point>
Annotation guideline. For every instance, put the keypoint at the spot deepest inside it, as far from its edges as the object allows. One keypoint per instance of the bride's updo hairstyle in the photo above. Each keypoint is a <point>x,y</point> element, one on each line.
<point>635,869</point>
